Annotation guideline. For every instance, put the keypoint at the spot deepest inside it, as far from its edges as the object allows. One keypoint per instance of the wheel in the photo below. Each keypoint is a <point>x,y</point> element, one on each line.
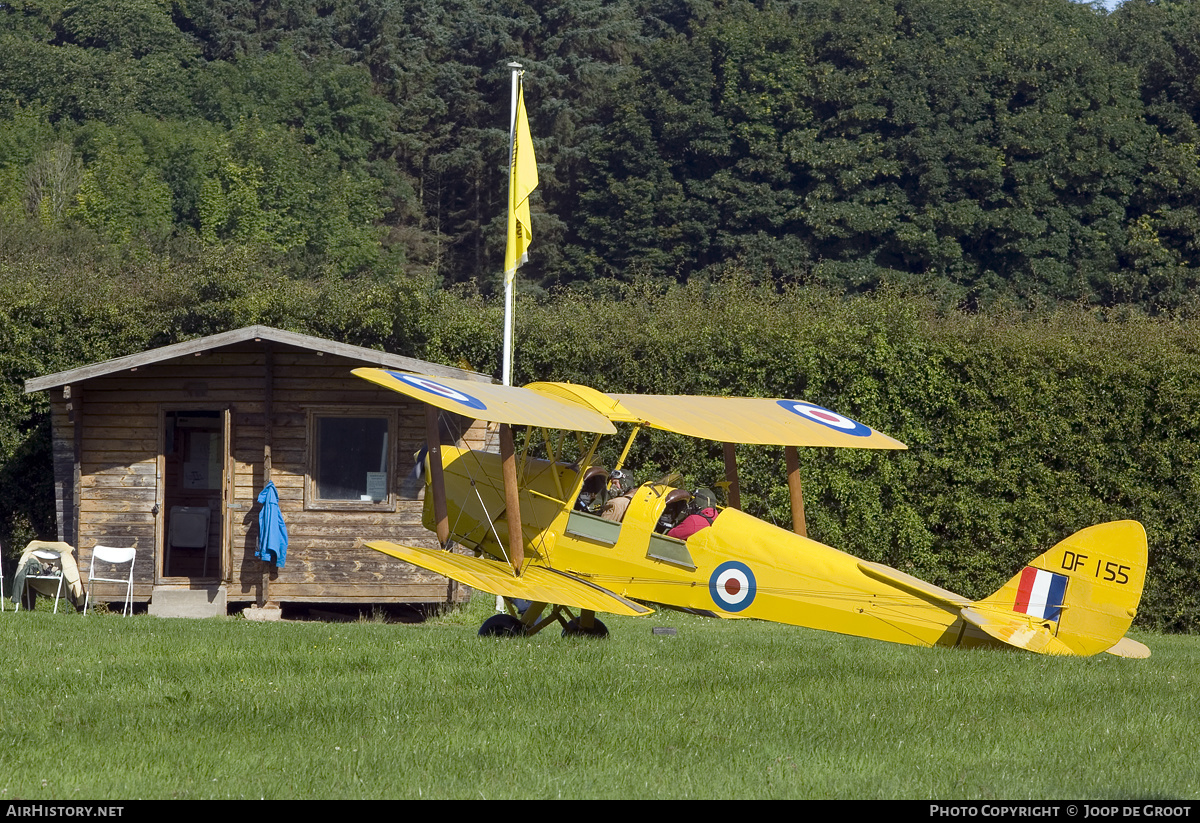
<point>501,625</point>
<point>574,629</point>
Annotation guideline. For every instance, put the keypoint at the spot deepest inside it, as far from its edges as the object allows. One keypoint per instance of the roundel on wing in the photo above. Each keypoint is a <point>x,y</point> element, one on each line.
<point>818,414</point>
<point>732,586</point>
<point>433,387</point>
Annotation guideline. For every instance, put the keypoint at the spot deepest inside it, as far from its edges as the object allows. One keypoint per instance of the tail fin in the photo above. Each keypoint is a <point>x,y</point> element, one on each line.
<point>1078,598</point>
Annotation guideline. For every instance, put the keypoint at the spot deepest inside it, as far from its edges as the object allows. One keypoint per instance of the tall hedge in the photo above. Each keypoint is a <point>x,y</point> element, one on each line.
<point>1021,429</point>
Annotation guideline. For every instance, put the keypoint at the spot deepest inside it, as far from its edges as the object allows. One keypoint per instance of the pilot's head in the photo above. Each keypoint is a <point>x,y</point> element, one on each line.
<point>594,489</point>
<point>619,483</point>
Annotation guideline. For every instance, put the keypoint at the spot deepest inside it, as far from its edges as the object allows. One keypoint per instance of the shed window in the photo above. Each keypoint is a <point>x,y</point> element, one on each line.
<point>351,459</point>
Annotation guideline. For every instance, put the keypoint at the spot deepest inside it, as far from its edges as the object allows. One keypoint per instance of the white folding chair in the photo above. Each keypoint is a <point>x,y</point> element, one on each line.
<point>53,559</point>
<point>113,557</point>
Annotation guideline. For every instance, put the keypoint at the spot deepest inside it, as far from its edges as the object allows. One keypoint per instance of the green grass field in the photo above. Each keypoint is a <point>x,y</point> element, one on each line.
<point>102,707</point>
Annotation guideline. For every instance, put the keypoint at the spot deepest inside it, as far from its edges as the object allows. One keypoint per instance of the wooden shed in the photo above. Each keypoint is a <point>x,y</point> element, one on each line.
<point>167,451</point>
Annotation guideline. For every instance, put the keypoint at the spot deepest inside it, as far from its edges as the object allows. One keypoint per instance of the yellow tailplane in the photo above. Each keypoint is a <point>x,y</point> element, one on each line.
<point>1079,598</point>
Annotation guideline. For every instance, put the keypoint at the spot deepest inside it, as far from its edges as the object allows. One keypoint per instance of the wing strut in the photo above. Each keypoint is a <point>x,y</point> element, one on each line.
<point>437,483</point>
<point>628,445</point>
<point>792,456</point>
<point>437,480</point>
<point>733,492</point>
<point>512,502</point>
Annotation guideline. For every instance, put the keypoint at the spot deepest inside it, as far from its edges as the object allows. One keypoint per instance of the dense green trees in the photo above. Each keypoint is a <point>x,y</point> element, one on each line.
<point>147,142</point>
<point>987,151</point>
<point>958,147</point>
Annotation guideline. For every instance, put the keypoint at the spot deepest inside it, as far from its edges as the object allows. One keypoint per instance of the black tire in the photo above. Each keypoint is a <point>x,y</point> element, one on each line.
<point>501,625</point>
<point>574,629</point>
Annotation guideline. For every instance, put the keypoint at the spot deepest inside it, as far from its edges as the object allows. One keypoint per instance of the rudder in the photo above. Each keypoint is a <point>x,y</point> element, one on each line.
<point>1085,590</point>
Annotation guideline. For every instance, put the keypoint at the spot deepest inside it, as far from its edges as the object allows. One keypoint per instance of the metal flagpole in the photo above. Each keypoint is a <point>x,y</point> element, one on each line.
<point>509,283</point>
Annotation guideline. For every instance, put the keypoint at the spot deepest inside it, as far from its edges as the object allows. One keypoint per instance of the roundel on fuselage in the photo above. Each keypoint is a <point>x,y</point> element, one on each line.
<point>732,586</point>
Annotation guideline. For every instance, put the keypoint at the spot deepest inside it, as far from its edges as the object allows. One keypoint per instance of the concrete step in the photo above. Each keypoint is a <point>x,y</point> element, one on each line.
<point>184,601</point>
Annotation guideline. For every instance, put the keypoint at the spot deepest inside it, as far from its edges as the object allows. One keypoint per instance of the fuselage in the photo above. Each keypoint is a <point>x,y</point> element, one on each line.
<point>739,566</point>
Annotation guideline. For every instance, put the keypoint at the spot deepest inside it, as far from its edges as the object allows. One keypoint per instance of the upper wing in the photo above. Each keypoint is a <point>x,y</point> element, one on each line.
<point>752,420</point>
<point>536,583</point>
<point>486,401</point>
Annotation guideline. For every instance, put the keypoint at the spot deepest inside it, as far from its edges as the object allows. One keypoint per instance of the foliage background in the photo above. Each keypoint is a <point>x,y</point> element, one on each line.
<point>1021,429</point>
<point>986,151</point>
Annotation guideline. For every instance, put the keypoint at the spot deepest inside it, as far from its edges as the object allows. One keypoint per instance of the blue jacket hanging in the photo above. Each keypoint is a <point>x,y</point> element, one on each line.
<point>272,531</point>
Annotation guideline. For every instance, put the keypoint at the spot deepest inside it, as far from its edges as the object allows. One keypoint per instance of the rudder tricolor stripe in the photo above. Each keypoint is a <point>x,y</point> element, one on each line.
<point>1040,593</point>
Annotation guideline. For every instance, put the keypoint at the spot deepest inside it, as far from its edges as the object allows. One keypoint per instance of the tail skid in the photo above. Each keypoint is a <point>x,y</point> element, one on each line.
<point>1079,598</point>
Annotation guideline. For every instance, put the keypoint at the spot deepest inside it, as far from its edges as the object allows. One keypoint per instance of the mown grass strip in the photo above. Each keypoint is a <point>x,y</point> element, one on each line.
<point>103,707</point>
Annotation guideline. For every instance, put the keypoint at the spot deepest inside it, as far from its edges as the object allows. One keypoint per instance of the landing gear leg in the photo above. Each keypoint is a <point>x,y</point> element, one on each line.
<point>586,625</point>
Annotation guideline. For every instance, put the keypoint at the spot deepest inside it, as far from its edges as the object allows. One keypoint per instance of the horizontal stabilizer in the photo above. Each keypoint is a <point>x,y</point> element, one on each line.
<point>1016,631</point>
<point>913,585</point>
<point>1127,647</point>
<point>536,583</point>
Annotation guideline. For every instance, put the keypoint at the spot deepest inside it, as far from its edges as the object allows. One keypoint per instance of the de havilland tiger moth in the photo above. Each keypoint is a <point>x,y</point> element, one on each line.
<point>535,526</point>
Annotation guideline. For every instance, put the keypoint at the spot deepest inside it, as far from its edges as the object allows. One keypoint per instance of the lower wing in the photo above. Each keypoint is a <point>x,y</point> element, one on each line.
<point>536,583</point>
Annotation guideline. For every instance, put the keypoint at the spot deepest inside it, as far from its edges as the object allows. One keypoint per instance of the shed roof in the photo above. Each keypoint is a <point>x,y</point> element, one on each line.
<point>372,357</point>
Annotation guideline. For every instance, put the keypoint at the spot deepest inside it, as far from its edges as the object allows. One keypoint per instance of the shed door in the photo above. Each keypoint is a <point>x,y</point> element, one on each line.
<point>195,485</point>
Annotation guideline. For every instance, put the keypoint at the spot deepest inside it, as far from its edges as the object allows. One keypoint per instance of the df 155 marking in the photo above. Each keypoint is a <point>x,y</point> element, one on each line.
<point>1110,571</point>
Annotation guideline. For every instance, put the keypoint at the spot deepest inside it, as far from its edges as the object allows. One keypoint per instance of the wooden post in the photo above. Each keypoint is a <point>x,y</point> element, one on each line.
<point>731,475</point>
<point>228,493</point>
<point>512,501</point>
<point>793,472</point>
<point>268,414</point>
<point>437,482</point>
<point>268,393</point>
<point>75,410</point>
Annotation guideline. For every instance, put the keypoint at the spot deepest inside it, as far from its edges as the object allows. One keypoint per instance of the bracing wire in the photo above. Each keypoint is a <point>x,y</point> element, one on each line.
<point>473,469</point>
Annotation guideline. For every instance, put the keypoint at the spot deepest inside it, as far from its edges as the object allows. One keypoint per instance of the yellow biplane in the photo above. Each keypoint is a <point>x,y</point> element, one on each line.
<point>536,541</point>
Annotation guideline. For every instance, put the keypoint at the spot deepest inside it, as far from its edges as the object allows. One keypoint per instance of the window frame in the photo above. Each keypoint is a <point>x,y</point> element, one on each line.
<point>315,414</point>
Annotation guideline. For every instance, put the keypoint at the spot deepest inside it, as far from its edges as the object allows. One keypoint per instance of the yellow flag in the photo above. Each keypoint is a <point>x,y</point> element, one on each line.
<point>523,179</point>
